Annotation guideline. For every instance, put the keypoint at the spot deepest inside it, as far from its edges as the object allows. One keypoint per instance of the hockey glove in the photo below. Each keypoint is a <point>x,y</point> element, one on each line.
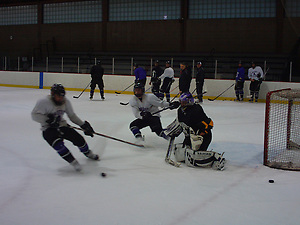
<point>88,130</point>
<point>174,105</point>
<point>146,115</point>
<point>53,120</point>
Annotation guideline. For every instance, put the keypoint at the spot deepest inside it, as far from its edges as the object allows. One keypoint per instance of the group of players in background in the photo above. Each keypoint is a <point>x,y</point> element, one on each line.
<point>190,120</point>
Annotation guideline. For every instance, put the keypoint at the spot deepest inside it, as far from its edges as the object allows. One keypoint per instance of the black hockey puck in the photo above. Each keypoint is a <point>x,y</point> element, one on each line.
<point>103,174</point>
<point>271,181</point>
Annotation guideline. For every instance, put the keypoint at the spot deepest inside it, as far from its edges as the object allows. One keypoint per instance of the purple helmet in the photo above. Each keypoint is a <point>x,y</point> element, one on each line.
<point>187,97</point>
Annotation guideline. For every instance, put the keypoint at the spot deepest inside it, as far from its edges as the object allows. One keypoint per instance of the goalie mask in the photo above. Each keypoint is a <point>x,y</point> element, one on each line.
<point>186,99</point>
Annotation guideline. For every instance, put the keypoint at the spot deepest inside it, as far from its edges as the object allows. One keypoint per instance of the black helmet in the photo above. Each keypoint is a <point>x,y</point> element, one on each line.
<point>98,62</point>
<point>58,89</point>
<point>141,86</point>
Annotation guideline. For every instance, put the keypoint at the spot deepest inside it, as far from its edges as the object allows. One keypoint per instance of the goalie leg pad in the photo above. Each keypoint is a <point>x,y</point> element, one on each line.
<point>219,163</point>
<point>199,158</point>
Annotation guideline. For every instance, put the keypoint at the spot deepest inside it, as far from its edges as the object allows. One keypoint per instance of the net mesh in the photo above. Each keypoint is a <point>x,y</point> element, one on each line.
<point>282,133</point>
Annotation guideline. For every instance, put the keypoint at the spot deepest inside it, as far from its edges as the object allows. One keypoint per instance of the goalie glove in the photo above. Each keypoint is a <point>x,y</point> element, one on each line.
<point>196,140</point>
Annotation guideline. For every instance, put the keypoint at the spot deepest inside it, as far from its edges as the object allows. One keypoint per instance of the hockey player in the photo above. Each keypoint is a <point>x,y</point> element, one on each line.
<point>143,107</point>
<point>256,75</point>
<point>157,71</point>
<point>140,74</point>
<point>49,113</point>
<point>239,83</point>
<point>200,81</point>
<point>185,78</point>
<point>168,78</point>
<point>197,129</point>
<point>97,72</point>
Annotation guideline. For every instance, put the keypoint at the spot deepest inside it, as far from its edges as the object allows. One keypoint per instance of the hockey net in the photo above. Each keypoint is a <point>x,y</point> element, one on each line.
<point>282,129</point>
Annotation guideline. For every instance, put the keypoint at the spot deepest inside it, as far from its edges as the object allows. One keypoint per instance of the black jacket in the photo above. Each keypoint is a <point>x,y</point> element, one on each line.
<point>97,73</point>
<point>185,80</point>
<point>200,75</point>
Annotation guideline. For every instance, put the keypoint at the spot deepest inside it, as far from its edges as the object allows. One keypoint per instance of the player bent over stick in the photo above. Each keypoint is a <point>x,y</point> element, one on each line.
<point>145,108</point>
<point>49,113</point>
<point>192,120</point>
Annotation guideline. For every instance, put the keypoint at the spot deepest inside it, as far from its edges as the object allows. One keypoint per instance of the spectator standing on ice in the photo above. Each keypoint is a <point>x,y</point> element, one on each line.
<point>97,72</point>
<point>239,83</point>
<point>256,76</point>
<point>200,75</point>
<point>168,78</point>
<point>140,74</point>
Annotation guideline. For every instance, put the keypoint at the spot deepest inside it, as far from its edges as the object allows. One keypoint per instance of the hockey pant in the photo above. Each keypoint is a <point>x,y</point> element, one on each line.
<point>55,138</point>
<point>254,89</point>
<point>153,122</point>
<point>239,89</point>
<point>165,87</point>
<point>199,90</point>
<point>100,86</point>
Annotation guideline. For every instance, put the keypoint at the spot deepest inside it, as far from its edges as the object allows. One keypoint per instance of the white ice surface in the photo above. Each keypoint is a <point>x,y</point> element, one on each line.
<point>38,187</point>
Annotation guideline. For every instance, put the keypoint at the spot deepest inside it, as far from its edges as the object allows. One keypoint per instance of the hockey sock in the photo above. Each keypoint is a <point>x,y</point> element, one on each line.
<point>136,132</point>
<point>91,93</point>
<point>168,97</point>
<point>63,151</point>
<point>84,149</point>
<point>102,93</point>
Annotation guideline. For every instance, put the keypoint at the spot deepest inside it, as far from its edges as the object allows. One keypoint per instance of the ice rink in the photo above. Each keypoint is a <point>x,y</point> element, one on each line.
<point>38,187</point>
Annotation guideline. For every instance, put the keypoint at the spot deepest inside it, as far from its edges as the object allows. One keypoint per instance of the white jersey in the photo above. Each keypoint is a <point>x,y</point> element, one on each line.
<point>168,72</point>
<point>255,73</point>
<point>46,106</point>
<point>149,103</point>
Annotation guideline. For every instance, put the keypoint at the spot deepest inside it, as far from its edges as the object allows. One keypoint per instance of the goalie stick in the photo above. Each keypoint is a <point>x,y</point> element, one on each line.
<point>113,138</point>
<point>82,91</point>
<point>168,155</point>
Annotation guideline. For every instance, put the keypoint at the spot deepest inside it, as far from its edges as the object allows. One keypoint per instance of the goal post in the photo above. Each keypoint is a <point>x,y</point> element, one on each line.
<point>282,129</point>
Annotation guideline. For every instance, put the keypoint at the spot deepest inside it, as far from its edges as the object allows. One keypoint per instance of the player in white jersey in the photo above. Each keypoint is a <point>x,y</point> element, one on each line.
<point>256,75</point>
<point>49,113</point>
<point>168,78</point>
<point>144,108</point>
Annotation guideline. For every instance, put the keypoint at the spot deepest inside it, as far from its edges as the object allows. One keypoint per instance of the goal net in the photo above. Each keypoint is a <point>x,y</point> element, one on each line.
<point>282,129</point>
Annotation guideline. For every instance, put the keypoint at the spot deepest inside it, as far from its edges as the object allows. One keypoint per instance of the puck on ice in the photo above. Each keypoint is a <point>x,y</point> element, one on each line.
<point>271,181</point>
<point>103,174</point>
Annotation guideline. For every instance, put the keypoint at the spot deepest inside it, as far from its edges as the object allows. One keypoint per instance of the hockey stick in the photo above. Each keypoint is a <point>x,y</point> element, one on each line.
<point>168,155</point>
<point>220,94</point>
<point>82,91</point>
<point>124,89</point>
<point>113,138</point>
<point>124,103</point>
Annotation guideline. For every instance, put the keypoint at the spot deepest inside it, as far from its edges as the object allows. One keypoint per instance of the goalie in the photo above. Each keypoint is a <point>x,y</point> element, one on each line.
<point>196,126</point>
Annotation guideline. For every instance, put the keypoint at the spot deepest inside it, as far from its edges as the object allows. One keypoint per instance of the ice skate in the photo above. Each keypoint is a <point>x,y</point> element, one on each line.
<point>93,156</point>
<point>76,165</point>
